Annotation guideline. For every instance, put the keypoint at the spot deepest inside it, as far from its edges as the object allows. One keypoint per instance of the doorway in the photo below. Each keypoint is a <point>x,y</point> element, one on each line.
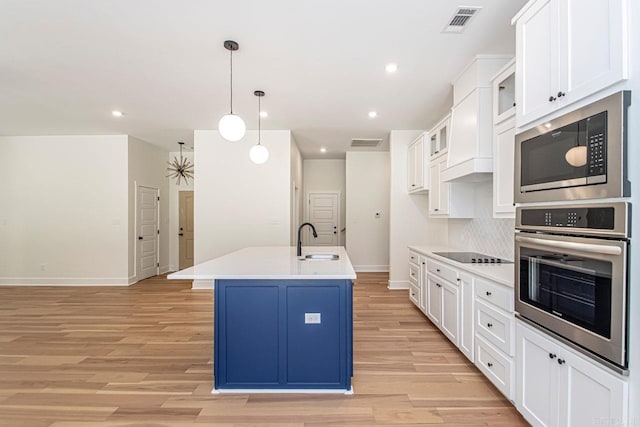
<point>323,211</point>
<point>185,234</point>
<point>147,247</point>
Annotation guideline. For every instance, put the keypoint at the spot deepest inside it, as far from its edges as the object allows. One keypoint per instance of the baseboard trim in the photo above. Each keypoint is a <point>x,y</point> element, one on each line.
<point>371,268</point>
<point>398,284</point>
<point>64,281</point>
<point>202,285</point>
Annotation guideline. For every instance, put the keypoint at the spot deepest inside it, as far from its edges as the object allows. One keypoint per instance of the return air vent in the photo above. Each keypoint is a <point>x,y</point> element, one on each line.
<point>460,19</point>
<point>363,142</point>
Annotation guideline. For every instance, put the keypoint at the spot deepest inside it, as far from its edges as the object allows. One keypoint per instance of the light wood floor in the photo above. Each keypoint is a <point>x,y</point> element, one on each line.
<point>142,356</point>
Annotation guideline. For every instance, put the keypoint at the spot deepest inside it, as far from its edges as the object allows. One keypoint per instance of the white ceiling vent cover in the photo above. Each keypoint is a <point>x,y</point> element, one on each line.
<point>363,142</point>
<point>460,19</point>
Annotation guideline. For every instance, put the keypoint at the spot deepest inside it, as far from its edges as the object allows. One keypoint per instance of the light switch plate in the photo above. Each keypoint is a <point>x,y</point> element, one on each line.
<point>312,318</point>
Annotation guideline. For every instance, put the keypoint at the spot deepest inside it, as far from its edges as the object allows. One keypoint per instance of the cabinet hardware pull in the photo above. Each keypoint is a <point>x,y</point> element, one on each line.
<point>438,270</point>
<point>561,361</point>
<point>457,280</point>
<point>489,325</point>
<point>552,356</point>
<point>488,293</point>
<point>424,263</point>
<point>489,364</point>
<point>552,98</point>
<point>561,94</point>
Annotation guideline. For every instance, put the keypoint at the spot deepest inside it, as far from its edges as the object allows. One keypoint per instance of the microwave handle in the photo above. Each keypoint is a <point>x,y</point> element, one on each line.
<point>582,247</point>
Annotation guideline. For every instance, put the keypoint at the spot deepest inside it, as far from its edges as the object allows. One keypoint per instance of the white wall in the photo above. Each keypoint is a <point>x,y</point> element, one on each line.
<point>367,188</point>
<point>147,167</point>
<point>174,211</point>
<point>239,203</point>
<point>297,184</point>
<point>409,222</point>
<point>327,175</point>
<point>63,210</point>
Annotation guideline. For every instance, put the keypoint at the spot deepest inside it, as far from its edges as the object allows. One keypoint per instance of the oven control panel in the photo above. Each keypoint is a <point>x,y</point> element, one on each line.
<point>593,218</point>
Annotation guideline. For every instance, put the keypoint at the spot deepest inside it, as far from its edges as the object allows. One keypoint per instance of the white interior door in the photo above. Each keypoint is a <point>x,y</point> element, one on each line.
<point>147,228</point>
<point>324,214</point>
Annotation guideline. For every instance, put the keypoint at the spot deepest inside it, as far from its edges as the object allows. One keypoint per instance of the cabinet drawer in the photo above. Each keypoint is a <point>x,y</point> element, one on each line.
<point>496,294</point>
<point>497,367</point>
<point>413,258</point>
<point>442,270</point>
<point>496,326</point>
<point>414,294</point>
<point>414,274</point>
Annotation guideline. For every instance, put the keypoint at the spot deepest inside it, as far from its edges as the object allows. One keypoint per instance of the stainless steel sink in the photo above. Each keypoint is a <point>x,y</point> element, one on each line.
<point>323,257</point>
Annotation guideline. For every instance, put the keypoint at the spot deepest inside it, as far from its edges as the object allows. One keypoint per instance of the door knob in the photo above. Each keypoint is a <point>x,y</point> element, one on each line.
<point>335,232</point>
<point>139,237</point>
<point>180,234</point>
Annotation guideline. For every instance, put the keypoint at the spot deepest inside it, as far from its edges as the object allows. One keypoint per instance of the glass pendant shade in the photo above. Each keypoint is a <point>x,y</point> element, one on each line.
<point>232,127</point>
<point>576,156</point>
<point>259,154</point>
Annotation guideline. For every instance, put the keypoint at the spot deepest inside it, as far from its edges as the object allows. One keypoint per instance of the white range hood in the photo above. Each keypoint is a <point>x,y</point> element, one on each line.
<point>470,155</point>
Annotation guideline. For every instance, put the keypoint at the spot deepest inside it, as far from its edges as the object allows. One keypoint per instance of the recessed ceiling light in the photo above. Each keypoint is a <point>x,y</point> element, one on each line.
<point>264,114</point>
<point>373,114</point>
<point>547,125</point>
<point>116,113</point>
<point>391,67</point>
<point>323,150</point>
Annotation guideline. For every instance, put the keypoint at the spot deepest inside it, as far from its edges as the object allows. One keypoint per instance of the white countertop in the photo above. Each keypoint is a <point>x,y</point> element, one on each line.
<point>499,273</point>
<point>272,262</point>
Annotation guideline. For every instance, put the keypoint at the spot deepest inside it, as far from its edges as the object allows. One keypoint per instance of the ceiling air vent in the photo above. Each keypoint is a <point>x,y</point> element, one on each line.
<point>460,19</point>
<point>363,142</point>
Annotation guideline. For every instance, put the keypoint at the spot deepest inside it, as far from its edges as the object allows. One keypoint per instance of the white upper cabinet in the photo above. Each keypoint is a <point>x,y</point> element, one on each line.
<point>418,166</point>
<point>438,138</point>
<point>504,131</point>
<point>470,136</point>
<point>567,50</point>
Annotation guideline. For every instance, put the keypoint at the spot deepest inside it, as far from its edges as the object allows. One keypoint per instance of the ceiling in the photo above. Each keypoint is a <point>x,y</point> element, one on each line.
<point>66,64</point>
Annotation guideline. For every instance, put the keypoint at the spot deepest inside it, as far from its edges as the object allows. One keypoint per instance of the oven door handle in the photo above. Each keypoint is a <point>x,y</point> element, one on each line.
<point>582,247</point>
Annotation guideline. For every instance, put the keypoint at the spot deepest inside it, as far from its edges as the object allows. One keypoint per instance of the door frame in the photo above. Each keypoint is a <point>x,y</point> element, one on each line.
<point>135,229</point>
<point>338,195</point>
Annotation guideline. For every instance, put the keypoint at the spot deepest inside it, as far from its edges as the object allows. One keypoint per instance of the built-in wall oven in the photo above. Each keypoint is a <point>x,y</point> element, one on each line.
<point>571,275</point>
<point>580,155</point>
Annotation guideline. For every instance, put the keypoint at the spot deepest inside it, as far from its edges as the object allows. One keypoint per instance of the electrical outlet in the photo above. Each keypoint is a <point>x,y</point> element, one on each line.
<point>312,318</point>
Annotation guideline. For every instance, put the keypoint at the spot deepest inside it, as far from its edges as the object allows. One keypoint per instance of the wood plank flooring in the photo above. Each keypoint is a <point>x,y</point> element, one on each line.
<point>142,356</point>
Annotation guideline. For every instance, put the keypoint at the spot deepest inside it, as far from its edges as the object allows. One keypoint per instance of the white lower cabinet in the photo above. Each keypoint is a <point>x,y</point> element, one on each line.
<point>450,312</point>
<point>495,365</point>
<point>434,299</point>
<point>559,387</point>
<point>467,310</point>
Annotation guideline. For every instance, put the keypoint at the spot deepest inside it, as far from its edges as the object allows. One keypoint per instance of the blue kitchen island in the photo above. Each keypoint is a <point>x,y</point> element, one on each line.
<point>281,323</point>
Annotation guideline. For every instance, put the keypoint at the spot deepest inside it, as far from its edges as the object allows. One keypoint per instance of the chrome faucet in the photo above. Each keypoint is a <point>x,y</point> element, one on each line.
<point>315,235</point>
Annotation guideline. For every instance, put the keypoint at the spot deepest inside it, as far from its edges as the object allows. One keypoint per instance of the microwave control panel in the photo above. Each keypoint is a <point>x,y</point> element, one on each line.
<point>597,143</point>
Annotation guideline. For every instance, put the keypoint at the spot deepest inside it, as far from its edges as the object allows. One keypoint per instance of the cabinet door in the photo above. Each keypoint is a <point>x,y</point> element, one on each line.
<point>536,377</point>
<point>450,309</point>
<point>443,136</point>
<point>433,144</point>
<point>411,168</point>
<point>467,309</point>
<point>503,169</point>
<point>588,395</point>
<point>443,193</point>
<point>434,300</point>
<point>424,295</point>
<point>434,191</point>
<point>419,164</point>
<point>537,61</point>
<point>592,39</point>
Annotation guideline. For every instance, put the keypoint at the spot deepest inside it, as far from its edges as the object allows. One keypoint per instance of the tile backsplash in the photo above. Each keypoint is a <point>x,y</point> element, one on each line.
<point>483,233</point>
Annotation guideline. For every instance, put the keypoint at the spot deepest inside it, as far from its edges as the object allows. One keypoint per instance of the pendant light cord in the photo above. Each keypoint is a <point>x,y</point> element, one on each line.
<point>259,119</point>
<point>231,79</point>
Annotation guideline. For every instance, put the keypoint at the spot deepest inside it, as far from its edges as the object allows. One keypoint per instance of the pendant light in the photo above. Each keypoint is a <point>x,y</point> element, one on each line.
<point>180,169</point>
<point>259,153</point>
<point>231,127</point>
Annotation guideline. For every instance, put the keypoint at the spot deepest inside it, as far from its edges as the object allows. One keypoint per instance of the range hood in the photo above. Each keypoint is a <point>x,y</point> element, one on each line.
<point>470,155</point>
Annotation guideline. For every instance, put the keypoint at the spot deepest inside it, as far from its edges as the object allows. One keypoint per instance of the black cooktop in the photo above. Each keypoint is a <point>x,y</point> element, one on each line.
<point>472,258</point>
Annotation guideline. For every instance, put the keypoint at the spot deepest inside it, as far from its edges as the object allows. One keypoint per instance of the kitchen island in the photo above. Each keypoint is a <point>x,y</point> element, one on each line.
<point>281,323</point>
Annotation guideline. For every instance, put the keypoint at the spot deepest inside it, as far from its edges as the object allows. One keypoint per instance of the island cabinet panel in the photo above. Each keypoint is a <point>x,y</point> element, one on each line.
<point>283,334</point>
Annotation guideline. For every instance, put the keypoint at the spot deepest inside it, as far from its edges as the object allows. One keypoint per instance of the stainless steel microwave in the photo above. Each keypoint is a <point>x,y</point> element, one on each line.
<point>580,155</point>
